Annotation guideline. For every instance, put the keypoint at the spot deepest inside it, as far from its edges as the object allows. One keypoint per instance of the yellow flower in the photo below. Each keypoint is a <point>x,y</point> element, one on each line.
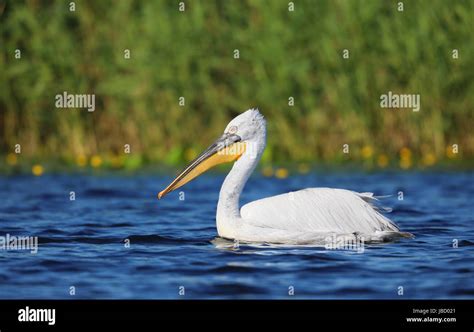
<point>281,173</point>
<point>405,158</point>
<point>81,160</point>
<point>37,170</point>
<point>367,152</point>
<point>429,159</point>
<point>405,153</point>
<point>382,160</point>
<point>11,159</point>
<point>96,161</point>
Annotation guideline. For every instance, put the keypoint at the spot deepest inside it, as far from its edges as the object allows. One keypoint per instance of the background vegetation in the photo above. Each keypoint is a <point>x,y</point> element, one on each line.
<point>191,54</point>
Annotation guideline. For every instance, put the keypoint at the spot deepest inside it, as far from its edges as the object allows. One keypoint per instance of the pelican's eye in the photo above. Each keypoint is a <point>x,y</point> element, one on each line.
<point>232,130</point>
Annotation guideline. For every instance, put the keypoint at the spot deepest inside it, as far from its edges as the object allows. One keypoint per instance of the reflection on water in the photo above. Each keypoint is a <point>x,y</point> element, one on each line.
<point>116,240</point>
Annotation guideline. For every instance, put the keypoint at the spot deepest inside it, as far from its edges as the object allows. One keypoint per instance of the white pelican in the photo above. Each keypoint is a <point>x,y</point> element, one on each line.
<point>314,215</point>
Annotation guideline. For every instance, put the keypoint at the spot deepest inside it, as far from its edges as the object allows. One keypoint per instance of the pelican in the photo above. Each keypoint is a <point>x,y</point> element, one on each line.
<point>313,215</point>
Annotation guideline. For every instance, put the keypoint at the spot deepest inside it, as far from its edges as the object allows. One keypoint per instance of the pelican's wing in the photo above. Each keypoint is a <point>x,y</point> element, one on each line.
<point>318,210</point>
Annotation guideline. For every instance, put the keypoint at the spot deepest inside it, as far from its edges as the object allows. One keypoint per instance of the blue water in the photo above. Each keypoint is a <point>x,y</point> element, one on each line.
<point>173,242</point>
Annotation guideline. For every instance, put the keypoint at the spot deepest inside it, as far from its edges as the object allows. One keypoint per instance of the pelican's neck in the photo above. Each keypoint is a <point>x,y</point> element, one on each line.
<point>228,212</point>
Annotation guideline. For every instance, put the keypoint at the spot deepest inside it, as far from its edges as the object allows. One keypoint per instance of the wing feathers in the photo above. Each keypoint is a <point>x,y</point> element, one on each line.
<point>319,210</point>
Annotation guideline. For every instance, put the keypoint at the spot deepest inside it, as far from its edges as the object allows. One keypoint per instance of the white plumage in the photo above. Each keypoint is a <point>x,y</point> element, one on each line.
<point>318,210</point>
<point>315,215</point>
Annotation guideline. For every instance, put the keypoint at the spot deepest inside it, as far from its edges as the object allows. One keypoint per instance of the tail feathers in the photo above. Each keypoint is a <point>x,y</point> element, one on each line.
<point>374,202</point>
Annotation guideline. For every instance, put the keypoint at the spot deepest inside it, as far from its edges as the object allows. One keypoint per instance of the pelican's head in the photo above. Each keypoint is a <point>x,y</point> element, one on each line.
<point>242,130</point>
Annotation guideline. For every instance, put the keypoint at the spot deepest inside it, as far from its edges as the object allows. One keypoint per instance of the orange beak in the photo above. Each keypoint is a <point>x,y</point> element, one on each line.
<point>226,149</point>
